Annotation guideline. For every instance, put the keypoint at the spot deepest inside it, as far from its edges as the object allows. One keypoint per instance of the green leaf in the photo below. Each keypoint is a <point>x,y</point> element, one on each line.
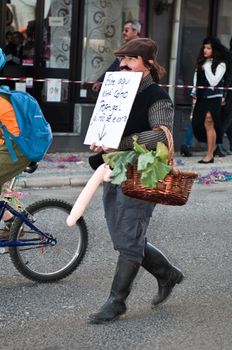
<point>119,173</point>
<point>162,170</point>
<point>149,177</point>
<point>153,173</point>
<point>162,152</point>
<point>139,149</point>
<point>144,160</point>
<point>129,157</point>
<point>111,158</point>
<point>119,161</point>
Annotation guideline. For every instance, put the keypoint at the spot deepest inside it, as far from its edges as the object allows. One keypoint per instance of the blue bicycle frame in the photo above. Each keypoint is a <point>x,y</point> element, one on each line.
<point>24,242</point>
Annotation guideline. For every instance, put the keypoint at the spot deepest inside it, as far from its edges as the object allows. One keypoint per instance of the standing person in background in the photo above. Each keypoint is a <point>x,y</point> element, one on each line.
<point>227,108</point>
<point>131,30</point>
<point>14,49</point>
<point>210,72</point>
<point>186,147</point>
<point>128,218</point>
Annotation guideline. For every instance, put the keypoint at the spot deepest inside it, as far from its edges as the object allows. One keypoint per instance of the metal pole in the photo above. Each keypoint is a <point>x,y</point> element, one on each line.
<point>174,48</point>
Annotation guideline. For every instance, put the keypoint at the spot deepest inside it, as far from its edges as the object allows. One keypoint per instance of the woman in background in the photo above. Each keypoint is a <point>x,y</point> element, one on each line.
<point>210,71</point>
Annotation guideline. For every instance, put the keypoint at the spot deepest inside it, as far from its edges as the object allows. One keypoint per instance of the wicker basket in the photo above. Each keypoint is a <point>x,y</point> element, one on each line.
<point>173,190</point>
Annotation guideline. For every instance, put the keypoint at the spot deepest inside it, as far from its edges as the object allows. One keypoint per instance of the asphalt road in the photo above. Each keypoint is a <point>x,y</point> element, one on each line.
<point>196,237</point>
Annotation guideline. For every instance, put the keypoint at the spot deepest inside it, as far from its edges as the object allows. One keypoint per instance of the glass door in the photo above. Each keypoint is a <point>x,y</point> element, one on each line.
<point>54,64</point>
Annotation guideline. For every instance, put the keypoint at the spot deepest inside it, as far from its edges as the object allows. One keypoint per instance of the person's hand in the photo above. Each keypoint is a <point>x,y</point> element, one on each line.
<point>95,148</point>
<point>98,149</point>
<point>108,149</point>
<point>96,86</point>
<point>207,65</point>
<point>223,101</point>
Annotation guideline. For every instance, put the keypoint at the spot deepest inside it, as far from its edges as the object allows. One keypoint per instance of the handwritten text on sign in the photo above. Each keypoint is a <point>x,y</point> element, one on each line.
<point>112,108</point>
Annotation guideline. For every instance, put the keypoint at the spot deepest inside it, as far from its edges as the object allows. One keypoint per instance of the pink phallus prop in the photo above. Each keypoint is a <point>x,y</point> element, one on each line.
<point>101,174</point>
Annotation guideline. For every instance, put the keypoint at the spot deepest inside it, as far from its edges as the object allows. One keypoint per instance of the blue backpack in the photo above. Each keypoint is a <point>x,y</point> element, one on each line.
<point>35,134</point>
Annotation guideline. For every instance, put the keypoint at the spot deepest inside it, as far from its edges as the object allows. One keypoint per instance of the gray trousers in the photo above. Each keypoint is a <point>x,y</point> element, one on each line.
<point>127,220</point>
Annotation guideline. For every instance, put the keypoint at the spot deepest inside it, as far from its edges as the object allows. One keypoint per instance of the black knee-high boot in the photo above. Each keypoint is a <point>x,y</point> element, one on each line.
<point>115,306</point>
<point>167,275</point>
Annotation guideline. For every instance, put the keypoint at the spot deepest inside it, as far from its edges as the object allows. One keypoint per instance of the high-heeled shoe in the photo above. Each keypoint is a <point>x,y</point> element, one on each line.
<point>218,152</point>
<point>202,161</point>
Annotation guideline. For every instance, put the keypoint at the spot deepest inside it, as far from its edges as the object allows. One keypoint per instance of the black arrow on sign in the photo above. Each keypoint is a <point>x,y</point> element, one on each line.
<point>100,136</point>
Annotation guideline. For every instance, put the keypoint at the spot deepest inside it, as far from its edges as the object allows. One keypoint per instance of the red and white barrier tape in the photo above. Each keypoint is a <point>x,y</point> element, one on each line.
<point>178,86</point>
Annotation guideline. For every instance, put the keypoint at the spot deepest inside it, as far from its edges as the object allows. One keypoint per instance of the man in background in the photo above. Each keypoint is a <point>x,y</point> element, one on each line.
<point>131,30</point>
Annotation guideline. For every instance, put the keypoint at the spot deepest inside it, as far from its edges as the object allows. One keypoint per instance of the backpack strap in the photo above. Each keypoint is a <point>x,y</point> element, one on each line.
<point>7,138</point>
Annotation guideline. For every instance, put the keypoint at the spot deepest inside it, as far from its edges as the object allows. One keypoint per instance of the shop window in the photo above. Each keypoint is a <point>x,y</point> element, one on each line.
<point>19,32</point>
<point>193,30</point>
<point>57,33</point>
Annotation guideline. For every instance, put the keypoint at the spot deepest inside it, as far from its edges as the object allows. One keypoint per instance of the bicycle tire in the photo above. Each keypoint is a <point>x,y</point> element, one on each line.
<point>49,263</point>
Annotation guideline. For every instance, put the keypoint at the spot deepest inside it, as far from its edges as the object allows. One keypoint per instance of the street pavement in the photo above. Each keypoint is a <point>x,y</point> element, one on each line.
<point>195,237</point>
<point>72,169</point>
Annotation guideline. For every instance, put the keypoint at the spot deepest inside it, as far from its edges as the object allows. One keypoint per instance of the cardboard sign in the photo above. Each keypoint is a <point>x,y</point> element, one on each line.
<point>112,108</point>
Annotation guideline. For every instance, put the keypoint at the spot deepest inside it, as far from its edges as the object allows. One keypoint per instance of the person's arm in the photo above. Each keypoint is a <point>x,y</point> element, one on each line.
<point>214,78</point>
<point>160,113</point>
<point>114,67</point>
<point>194,89</point>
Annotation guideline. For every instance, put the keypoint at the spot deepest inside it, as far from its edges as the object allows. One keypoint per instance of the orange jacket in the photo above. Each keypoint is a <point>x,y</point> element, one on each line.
<point>7,117</point>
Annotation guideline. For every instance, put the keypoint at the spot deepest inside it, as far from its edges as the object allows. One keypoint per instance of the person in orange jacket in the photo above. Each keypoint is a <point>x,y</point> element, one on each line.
<point>8,168</point>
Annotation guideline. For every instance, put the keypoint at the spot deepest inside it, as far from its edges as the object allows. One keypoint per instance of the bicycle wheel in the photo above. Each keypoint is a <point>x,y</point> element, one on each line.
<point>49,263</point>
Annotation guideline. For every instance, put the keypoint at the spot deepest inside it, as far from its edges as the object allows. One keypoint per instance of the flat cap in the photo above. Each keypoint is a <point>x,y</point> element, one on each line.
<point>144,47</point>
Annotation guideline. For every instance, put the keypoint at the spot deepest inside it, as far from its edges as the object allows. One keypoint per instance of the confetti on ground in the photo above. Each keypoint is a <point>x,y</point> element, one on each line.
<point>214,176</point>
<point>59,158</point>
<point>179,162</point>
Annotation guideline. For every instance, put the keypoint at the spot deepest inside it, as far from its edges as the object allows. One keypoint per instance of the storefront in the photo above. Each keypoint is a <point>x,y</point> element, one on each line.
<point>56,49</point>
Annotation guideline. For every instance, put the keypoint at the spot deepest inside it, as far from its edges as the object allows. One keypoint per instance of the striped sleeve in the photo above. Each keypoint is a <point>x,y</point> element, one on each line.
<point>160,113</point>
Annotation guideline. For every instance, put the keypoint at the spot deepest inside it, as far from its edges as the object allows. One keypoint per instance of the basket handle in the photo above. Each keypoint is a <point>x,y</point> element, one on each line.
<point>169,137</point>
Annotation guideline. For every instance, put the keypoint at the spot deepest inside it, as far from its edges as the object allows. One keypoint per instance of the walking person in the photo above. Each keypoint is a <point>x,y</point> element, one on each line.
<point>128,218</point>
<point>210,71</point>
<point>8,167</point>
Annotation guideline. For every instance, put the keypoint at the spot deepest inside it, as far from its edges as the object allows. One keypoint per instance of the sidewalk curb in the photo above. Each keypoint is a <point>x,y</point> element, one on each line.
<point>52,181</point>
